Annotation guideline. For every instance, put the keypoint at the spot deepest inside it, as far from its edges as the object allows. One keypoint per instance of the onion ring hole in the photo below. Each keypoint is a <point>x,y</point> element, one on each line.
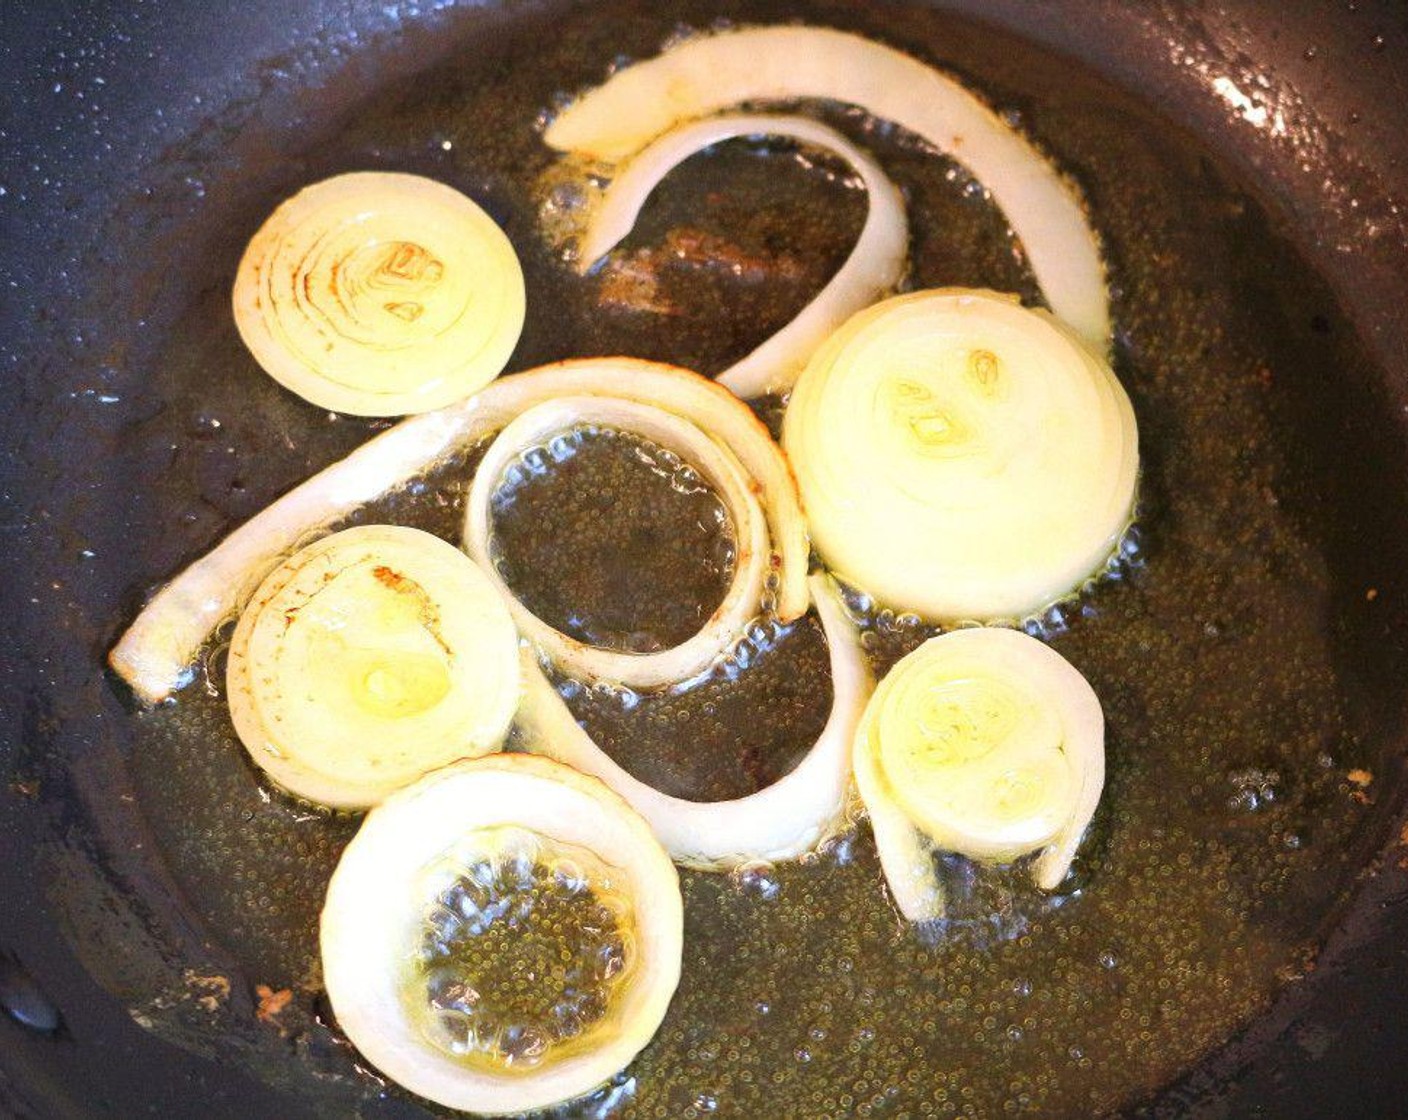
<point>612,539</point>
<point>523,947</point>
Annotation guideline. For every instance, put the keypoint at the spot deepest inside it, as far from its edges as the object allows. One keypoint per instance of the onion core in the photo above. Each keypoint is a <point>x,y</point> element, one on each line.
<point>984,742</point>
<point>962,457</point>
<point>380,294</point>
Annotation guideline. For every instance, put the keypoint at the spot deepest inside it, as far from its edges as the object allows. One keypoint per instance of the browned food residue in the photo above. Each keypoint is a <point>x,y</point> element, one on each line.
<point>213,990</point>
<point>271,1003</point>
<point>633,281</point>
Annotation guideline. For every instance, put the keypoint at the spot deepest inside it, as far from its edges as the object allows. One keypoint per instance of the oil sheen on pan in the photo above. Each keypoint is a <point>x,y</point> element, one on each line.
<point>1239,777</point>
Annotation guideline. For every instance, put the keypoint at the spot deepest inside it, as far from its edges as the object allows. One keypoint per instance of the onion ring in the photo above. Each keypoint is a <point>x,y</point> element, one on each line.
<point>368,658</point>
<point>713,461</point>
<point>373,924</point>
<point>379,294</point>
<point>961,456</point>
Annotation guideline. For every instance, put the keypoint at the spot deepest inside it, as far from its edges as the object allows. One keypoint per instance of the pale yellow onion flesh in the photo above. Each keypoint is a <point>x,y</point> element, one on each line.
<point>376,898</point>
<point>367,659</point>
<point>380,294</point>
<point>711,73</point>
<point>962,457</point>
<point>786,820</point>
<point>985,742</point>
<point>716,464</point>
<point>873,267</point>
<point>156,653</point>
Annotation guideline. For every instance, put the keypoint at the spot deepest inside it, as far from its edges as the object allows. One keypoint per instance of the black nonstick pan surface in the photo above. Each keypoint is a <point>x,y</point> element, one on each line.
<point>1246,163</point>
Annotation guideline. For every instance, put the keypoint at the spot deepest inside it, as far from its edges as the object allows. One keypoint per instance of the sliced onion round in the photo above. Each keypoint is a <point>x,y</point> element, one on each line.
<point>984,742</point>
<point>962,457</point>
<point>380,294</point>
<point>368,658</point>
<point>873,267</point>
<point>711,73</point>
<point>786,820</point>
<point>715,463</point>
<point>155,654</point>
<point>373,925</point>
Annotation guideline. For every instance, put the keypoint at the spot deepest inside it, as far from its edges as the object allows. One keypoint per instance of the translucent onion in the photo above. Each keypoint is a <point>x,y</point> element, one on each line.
<point>711,73</point>
<point>786,820</point>
<point>373,922</point>
<point>368,658</point>
<point>984,742</point>
<point>873,268</point>
<point>962,457</point>
<point>156,653</point>
<point>715,463</point>
<point>380,294</point>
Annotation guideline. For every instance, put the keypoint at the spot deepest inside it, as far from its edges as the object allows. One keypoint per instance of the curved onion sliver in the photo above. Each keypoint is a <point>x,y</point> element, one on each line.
<point>155,654</point>
<point>983,741</point>
<point>373,925</point>
<point>961,456</point>
<point>784,821</point>
<point>380,294</point>
<point>712,73</point>
<point>873,267</point>
<point>714,462</point>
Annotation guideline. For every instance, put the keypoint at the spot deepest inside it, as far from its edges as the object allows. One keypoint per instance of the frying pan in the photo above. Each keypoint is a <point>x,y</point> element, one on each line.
<point>127,128</point>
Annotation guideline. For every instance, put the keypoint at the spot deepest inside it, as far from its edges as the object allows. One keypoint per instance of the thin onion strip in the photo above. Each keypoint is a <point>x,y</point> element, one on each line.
<point>873,267</point>
<point>784,821</point>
